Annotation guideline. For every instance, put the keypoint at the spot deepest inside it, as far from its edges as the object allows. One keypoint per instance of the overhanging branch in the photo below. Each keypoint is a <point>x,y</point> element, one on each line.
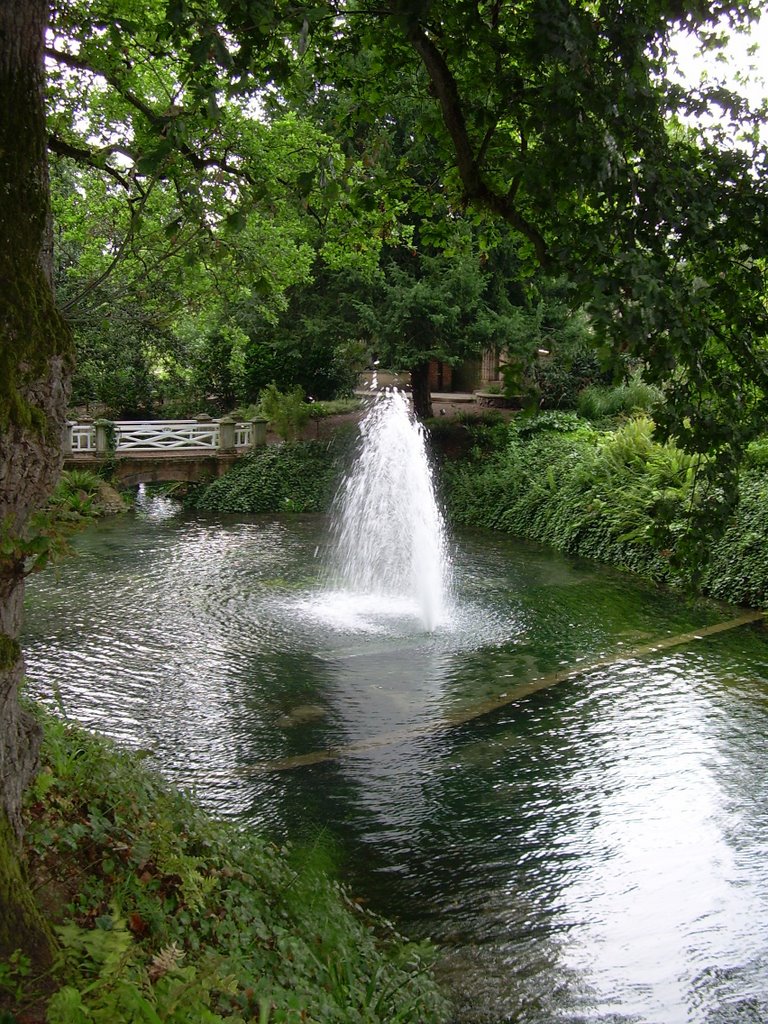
<point>467,163</point>
<point>161,123</point>
<point>88,158</point>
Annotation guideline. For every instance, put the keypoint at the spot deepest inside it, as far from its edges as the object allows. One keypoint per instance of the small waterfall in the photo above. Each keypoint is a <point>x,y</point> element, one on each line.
<point>389,533</point>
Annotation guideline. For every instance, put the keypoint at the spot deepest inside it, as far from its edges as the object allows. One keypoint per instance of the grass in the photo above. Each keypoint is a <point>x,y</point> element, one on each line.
<point>165,914</point>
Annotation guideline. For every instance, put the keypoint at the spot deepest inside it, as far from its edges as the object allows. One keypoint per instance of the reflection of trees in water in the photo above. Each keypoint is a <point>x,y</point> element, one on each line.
<point>530,841</point>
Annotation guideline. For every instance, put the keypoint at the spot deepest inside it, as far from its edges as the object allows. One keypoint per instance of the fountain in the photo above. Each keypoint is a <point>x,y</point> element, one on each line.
<point>389,534</point>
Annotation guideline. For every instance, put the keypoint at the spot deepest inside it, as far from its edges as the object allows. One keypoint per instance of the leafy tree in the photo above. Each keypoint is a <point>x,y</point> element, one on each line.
<point>176,203</point>
<point>556,118</point>
<point>307,339</point>
<point>436,306</point>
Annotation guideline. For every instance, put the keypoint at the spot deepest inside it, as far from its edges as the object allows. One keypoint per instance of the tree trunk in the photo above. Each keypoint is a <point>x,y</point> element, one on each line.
<point>422,396</point>
<point>35,366</point>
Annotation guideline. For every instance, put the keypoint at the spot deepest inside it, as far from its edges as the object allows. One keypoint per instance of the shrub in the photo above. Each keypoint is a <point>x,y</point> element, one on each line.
<point>75,481</point>
<point>599,402</point>
<point>738,566</point>
<point>617,496</point>
<point>756,454</point>
<point>287,411</point>
<point>71,506</point>
<point>298,477</point>
<point>559,379</point>
<point>333,407</point>
<point>562,422</point>
<point>245,413</point>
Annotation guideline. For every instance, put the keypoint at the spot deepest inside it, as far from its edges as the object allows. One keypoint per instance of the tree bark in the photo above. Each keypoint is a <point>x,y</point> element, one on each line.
<point>35,366</point>
<point>422,396</point>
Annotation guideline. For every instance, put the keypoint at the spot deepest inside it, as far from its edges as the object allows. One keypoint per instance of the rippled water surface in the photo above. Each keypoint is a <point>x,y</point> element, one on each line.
<point>594,852</point>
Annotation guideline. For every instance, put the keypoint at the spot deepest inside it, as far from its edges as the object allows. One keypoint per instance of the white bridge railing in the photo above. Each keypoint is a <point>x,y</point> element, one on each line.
<point>201,435</point>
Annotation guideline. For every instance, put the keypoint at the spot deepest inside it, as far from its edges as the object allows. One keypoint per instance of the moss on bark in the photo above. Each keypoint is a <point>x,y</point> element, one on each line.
<point>22,926</point>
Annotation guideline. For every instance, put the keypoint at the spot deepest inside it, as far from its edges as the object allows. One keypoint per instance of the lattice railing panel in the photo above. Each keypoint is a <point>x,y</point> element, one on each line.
<point>159,435</point>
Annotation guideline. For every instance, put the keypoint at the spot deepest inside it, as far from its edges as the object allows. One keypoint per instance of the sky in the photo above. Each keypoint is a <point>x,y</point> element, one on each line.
<point>731,63</point>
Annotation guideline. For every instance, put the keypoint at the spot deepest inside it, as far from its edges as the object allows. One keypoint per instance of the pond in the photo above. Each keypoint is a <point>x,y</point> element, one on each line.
<point>596,851</point>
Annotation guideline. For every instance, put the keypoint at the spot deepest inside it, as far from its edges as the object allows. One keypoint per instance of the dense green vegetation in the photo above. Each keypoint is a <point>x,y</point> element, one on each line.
<point>616,494</point>
<point>415,178</point>
<point>164,914</point>
<point>246,192</point>
<point>296,477</point>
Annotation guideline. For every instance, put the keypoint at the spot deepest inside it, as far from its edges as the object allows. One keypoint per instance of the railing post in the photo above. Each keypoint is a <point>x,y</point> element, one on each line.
<point>226,434</point>
<point>258,432</point>
<point>66,438</point>
<point>203,419</point>
<point>90,444</point>
<point>102,443</point>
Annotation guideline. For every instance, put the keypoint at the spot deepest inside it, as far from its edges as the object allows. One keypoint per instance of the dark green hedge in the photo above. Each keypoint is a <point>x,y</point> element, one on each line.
<point>299,477</point>
<point>737,570</point>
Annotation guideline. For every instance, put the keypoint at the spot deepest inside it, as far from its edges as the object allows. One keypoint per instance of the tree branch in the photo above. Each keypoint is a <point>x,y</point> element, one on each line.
<point>475,187</point>
<point>88,158</point>
<point>160,122</point>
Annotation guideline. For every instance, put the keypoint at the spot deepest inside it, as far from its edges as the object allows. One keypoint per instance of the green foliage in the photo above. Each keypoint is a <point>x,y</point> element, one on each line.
<point>14,975</point>
<point>445,210</point>
<point>334,407</point>
<point>316,410</point>
<point>74,501</point>
<point>72,505</point>
<point>616,496</point>
<point>288,411</point>
<point>737,570</point>
<point>599,402</point>
<point>169,915</point>
<point>756,453</point>
<point>297,477</point>
<point>312,342</point>
<point>557,420</point>
<point>78,480</point>
<point>246,413</point>
<point>658,228</point>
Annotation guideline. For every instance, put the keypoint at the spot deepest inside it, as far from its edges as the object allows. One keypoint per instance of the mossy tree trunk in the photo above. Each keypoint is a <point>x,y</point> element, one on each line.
<point>35,365</point>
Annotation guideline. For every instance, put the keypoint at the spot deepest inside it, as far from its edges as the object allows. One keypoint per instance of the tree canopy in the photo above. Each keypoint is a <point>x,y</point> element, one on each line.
<point>555,123</point>
<point>214,151</point>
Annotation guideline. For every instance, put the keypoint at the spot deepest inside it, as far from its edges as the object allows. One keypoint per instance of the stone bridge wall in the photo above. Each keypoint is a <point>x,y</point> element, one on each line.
<point>158,467</point>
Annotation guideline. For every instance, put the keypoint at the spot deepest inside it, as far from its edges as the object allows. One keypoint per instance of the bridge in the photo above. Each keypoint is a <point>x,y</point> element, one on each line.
<point>154,451</point>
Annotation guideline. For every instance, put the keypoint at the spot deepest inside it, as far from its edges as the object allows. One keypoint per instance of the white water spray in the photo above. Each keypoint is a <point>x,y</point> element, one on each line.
<point>389,532</point>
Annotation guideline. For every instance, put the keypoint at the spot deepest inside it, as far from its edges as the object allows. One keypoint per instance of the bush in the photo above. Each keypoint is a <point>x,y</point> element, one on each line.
<point>598,402</point>
<point>562,422</point>
<point>246,413</point>
<point>298,477</point>
<point>756,454</point>
<point>323,370</point>
<point>333,407</point>
<point>286,411</point>
<point>616,496</point>
<point>738,566</point>
<point>559,379</point>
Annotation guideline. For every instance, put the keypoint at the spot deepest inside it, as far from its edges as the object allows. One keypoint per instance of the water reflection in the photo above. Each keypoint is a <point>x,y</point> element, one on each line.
<point>594,853</point>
